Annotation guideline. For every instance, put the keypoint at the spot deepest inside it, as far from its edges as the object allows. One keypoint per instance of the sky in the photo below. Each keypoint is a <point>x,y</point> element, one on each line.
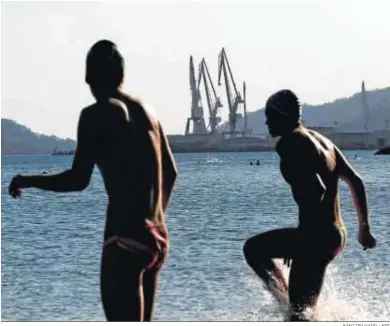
<point>320,50</point>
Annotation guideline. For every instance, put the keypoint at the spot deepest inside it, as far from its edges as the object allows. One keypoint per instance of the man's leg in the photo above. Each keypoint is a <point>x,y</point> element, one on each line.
<point>152,274</point>
<point>305,284</point>
<point>309,267</point>
<point>260,251</point>
<point>121,285</point>
<point>150,283</point>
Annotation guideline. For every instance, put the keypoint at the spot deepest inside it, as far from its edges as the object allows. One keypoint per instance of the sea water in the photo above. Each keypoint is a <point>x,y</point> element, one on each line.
<point>51,243</point>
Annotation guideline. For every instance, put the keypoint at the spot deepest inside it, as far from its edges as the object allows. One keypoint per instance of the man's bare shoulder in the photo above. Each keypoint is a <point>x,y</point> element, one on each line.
<point>131,99</point>
<point>107,111</point>
<point>89,108</point>
<point>148,109</point>
<point>89,111</point>
<point>151,113</point>
<point>320,137</point>
<point>295,142</point>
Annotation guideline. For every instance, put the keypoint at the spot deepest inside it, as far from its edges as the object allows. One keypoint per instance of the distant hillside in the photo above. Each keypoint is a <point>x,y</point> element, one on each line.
<point>18,139</point>
<point>347,112</point>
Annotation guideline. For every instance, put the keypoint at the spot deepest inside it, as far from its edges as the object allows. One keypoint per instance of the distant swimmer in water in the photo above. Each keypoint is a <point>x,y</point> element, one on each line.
<point>312,165</point>
<point>257,162</point>
<point>130,149</point>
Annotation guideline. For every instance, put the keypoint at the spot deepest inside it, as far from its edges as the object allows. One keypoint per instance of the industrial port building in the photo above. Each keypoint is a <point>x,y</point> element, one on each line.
<point>210,136</point>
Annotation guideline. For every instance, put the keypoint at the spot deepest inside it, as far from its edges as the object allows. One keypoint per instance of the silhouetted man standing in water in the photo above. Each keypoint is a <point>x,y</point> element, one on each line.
<point>312,165</point>
<point>129,147</point>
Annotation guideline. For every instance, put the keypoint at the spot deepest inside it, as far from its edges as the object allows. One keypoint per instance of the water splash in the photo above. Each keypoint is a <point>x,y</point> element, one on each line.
<point>347,297</point>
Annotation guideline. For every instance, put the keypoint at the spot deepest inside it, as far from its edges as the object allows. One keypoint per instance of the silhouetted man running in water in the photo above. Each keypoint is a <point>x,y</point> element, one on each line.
<point>129,147</point>
<point>312,165</point>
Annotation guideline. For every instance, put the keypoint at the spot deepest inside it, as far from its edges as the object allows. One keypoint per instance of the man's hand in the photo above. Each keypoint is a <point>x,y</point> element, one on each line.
<point>366,239</point>
<point>16,186</point>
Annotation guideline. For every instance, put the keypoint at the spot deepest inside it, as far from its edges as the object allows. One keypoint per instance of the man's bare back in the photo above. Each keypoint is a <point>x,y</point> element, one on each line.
<point>130,151</point>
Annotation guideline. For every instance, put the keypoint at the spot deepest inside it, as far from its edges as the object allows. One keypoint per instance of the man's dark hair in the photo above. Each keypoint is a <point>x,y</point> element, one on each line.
<point>105,65</point>
<point>286,103</point>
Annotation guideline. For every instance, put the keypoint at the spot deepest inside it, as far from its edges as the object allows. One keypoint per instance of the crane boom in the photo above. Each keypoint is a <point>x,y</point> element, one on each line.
<point>222,68</point>
<point>199,126</point>
<point>233,102</point>
<point>202,76</point>
<point>209,78</point>
<point>213,105</point>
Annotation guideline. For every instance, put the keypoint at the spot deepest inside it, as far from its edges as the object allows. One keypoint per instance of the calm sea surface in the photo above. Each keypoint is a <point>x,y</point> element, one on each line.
<point>50,243</point>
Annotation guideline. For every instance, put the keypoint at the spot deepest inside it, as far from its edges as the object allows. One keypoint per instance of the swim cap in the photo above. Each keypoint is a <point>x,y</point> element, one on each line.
<point>286,103</point>
<point>105,65</point>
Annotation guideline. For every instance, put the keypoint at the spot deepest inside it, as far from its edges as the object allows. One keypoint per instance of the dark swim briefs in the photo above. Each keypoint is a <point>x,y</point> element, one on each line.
<point>325,243</point>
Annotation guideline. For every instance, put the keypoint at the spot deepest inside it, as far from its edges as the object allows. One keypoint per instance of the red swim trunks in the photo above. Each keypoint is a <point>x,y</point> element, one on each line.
<point>149,245</point>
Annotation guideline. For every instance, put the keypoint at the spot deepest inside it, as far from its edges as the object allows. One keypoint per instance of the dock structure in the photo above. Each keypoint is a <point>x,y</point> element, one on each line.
<point>235,136</point>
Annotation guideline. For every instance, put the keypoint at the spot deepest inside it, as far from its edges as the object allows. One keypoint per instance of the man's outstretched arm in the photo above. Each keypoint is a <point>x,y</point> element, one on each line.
<point>356,185</point>
<point>78,177</point>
